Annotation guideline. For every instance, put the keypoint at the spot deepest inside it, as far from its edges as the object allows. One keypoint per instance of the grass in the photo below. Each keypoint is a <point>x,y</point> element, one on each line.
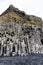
<point>16,18</point>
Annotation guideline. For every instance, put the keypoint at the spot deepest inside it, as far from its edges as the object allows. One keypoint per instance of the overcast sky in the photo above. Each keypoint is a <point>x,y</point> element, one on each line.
<point>32,7</point>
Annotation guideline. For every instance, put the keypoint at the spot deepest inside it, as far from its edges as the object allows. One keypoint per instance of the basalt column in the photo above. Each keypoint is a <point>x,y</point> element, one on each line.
<point>1,48</point>
<point>23,48</point>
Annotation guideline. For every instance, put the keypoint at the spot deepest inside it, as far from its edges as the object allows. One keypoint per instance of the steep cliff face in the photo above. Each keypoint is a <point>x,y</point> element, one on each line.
<point>20,34</point>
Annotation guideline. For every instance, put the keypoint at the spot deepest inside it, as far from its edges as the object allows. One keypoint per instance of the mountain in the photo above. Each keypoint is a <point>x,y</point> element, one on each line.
<point>15,13</point>
<point>21,14</point>
<point>20,34</point>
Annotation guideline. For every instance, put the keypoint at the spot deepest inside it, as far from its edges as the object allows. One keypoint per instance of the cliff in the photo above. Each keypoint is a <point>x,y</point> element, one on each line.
<point>20,34</point>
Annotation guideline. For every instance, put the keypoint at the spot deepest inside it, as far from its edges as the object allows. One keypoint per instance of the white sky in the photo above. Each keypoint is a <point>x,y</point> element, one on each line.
<point>33,7</point>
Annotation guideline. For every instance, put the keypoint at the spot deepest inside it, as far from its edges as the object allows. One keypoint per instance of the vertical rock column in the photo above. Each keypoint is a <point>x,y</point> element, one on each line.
<point>19,50</point>
<point>1,48</point>
<point>8,49</point>
<point>16,49</point>
<point>28,45</point>
<point>23,48</point>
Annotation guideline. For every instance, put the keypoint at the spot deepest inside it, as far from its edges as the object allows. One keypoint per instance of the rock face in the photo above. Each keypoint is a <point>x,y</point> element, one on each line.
<point>22,14</point>
<point>17,36</point>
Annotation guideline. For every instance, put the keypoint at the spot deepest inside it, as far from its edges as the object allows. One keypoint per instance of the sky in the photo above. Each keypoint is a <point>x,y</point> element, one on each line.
<point>32,7</point>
